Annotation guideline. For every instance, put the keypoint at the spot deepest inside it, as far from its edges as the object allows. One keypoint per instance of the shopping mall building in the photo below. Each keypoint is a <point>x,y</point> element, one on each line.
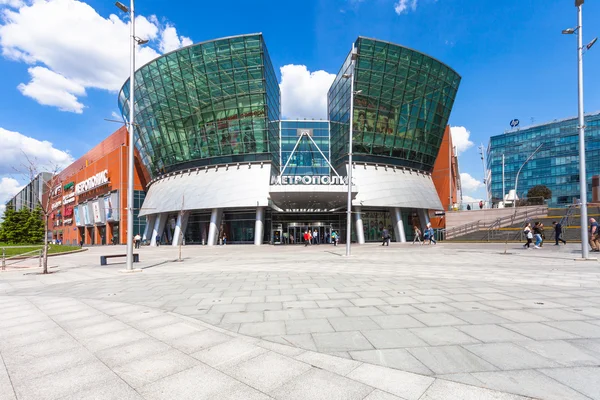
<point>222,162</point>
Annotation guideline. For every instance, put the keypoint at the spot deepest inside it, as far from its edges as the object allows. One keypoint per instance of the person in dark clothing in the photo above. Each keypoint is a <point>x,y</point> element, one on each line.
<point>386,237</point>
<point>537,233</point>
<point>558,233</point>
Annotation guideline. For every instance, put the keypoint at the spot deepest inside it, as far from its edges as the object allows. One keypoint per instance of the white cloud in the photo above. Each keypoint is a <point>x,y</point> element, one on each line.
<point>170,41</point>
<point>8,188</point>
<point>71,40</point>
<point>11,3</point>
<point>42,153</point>
<point>402,6</point>
<point>460,138</point>
<point>468,183</point>
<point>52,89</point>
<point>304,93</point>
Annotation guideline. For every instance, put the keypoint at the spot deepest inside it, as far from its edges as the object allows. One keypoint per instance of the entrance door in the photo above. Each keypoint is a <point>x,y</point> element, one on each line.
<point>102,232</point>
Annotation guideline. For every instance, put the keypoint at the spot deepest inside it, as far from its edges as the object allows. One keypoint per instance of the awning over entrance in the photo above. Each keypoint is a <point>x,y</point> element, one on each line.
<point>310,198</point>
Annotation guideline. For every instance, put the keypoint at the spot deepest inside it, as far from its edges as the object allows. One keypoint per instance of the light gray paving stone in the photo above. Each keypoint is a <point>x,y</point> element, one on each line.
<point>538,303</point>
<point>381,395</point>
<point>18,330</point>
<point>341,341</point>
<point>434,308</point>
<point>113,389</point>
<point>98,329</point>
<point>312,296</point>
<point>293,291</point>
<point>130,351</point>
<point>101,342</point>
<point>538,331</point>
<point>480,317</point>
<point>466,378</point>
<point>229,308</point>
<point>510,356</point>
<point>393,358</point>
<point>470,306</point>
<point>321,385</point>
<point>438,319</point>
<point>503,304</point>
<point>264,306</point>
<point>300,304</point>
<point>579,328</point>
<point>353,324</point>
<point>157,322</point>
<point>520,316</point>
<point>585,380</point>
<point>442,336</point>
<point>238,318</point>
<point>492,333</point>
<point>294,327</point>
<point>144,371</point>
<point>174,330</point>
<point>25,353</point>
<point>6,389</point>
<point>591,346</point>
<point>228,354</point>
<point>338,296</point>
<point>400,300</point>
<point>337,365</point>
<point>404,384</point>
<point>396,321</point>
<point>263,328</point>
<point>393,338</point>
<point>561,352</point>
<point>370,301</point>
<point>450,360</point>
<point>284,315</point>
<point>198,340</point>
<point>528,383</point>
<point>361,311</point>
<point>431,299</point>
<point>399,309</point>
<point>265,292</point>
<point>323,313</point>
<point>249,299</point>
<point>200,383</point>
<point>558,314</point>
<point>442,390</point>
<point>268,371</point>
<point>334,303</point>
<point>283,347</point>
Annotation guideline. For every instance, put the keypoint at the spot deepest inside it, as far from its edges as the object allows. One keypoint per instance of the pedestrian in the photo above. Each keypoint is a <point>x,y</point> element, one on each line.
<point>537,233</point>
<point>594,237</point>
<point>542,233</point>
<point>157,240</point>
<point>306,238</point>
<point>137,239</point>
<point>468,207</point>
<point>431,233</point>
<point>315,237</point>
<point>334,238</point>
<point>528,235</point>
<point>481,204</point>
<point>558,232</point>
<point>417,235</point>
<point>385,235</point>
<point>224,238</point>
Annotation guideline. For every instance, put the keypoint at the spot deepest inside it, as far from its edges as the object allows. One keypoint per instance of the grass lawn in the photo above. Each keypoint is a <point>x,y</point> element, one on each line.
<point>15,250</point>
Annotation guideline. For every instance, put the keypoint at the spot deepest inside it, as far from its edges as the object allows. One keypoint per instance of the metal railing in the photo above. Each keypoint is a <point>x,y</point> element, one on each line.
<point>18,258</point>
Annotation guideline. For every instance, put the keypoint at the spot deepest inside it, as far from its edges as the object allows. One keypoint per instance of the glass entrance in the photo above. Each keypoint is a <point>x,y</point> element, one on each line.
<point>295,232</point>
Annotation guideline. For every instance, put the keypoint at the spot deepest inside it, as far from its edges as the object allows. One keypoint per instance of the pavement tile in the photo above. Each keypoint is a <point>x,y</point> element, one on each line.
<point>238,318</point>
<point>442,390</point>
<point>528,383</point>
<point>438,319</point>
<point>441,336</point>
<point>381,395</point>
<point>538,331</point>
<point>321,385</point>
<point>591,346</point>
<point>361,311</point>
<point>249,299</point>
<point>558,314</point>
<point>399,309</point>
<point>491,333</point>
<point>393,338</point>
<point>227,354</point>
<point>562,352</point>
<point>284,315</point>
<point>312,296</point>
<point>264,306</point>
<point>510,356</point>
<point>579,328</point>
<point>229,308</point>
<point>341,341</point>
<point>311,313</point>
<point>393,358</point>
<point>294,327</point>
<point>585,380</point>
<point>520,316</point>
<point>198,340</point>
<point>396,321</point>
<point>113,389</point>
<point>470,306</point>
<point>301,341</point>
<point>300,304</point>
<point>113,339</point>
<point>450,360</point>
<point>130,351</point>
<point>146,370</point>
<point>401,300</point>
<point>480,317</point>
<point>268,371</point>
<point>263,328</point>
<point>434,307</point>
<point>98,329</point>
<point>353,324</point>
<point>404,384</point>
<point>25,353</point>
<point>370,301</point>
<point>337,365</point>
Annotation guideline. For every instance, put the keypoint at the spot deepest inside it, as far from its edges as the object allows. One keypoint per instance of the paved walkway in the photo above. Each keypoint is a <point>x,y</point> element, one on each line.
<point>404,321</point>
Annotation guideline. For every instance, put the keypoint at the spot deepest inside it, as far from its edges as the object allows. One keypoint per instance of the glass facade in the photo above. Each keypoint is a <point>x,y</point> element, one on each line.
<point>401,107</point>
<point>209,103</point>
<point>306,159</point>
<point>556,165</point>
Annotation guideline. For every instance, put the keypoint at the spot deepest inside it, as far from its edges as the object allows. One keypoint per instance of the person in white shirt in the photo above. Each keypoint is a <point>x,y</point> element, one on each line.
<point>137,241</point>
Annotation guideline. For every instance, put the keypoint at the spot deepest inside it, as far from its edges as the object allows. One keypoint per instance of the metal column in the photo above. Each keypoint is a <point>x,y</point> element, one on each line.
<point>259,226</point>
<point>159,226</point>
<point>180,227</point>
<point>215,225</point>
<point>360,233</point>
<point>398,225</point>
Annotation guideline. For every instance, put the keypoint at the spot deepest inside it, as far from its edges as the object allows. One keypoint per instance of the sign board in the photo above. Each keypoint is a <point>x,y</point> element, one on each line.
<point>440,213</point>
<point>304,131</point>
<point>101,178</point>
<point>68,199</point>
<point>309,180</point>
<point>514,123</point>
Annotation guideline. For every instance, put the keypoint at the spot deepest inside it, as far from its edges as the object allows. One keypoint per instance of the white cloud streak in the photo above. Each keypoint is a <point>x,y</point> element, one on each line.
<point>460,138</point>
<point>304,93</point>
<point>469,184</point>
<point>402,6</point>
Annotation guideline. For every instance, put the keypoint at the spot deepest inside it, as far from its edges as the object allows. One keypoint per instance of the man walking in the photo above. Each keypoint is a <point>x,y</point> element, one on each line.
<point>594,238</point>
<point>386,237</point>
<point>558,233</point>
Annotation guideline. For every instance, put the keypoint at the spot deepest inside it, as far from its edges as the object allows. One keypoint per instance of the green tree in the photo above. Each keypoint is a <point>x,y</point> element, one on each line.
<point>8,232</point>
<point>538,193</point>
<point>35,226</point>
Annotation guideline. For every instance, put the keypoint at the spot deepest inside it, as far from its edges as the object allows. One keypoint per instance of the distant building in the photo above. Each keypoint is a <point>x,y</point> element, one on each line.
<point>556,165</point>
<point>31,195</point>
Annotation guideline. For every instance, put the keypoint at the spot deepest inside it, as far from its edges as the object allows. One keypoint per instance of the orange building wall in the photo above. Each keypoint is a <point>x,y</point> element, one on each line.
<point>111,155</point>
<point>445,176</point>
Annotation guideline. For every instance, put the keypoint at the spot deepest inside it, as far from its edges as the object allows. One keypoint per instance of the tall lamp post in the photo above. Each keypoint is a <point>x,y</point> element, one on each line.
<point>581,126</point>
<point>130,126</point>
<point>519,171</point>
<point>353,57</point>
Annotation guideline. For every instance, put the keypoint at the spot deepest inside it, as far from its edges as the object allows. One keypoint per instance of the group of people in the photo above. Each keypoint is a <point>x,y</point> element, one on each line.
<point>420,237</point>
<point>313,238</point>
<point>537,232</point>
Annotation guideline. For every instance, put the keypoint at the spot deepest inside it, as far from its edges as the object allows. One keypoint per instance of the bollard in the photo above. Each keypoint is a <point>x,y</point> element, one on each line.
<point>40,260</point>
<point>3,259</point>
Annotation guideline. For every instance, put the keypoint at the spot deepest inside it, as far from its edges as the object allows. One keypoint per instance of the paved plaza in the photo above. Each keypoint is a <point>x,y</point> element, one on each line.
<point>452,321</point>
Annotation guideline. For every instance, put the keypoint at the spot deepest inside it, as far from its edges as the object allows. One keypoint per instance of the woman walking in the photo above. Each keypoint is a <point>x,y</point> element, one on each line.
<point>537,232</point>
<point>417,235</point>
<point>528,235</point>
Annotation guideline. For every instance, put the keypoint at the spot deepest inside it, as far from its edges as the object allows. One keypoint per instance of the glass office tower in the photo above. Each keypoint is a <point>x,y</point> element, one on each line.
<point>401,108</point>
<point>556,165</point>
<point>310,157</point>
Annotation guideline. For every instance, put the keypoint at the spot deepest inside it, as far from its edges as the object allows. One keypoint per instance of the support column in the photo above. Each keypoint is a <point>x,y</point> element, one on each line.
<point>213,229</point>
<point>358,226</point>
<point>180,227</point>
<point>159,226</point>
<point>398,225</point>
<point>259,226</point>
<point>149,226</point>
<point>424,218</point>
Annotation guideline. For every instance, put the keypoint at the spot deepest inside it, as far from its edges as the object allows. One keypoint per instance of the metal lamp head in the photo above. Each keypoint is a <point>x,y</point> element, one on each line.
<point>122,7</point>
<point>568,31</point>
<point>590,44</point>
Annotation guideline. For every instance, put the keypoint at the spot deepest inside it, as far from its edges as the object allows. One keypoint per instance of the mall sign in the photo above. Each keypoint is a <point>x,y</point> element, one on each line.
<point>101,178</point>
<point>309,180</point>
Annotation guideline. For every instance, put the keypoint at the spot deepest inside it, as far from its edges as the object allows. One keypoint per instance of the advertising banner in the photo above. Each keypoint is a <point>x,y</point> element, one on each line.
<point>86,214</point>
<point>108,211</point>
<point>77,218</point>
<point>97,215</point>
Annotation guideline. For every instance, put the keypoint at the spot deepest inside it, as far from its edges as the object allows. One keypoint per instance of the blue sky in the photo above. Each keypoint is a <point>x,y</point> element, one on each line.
<point>511,55</point>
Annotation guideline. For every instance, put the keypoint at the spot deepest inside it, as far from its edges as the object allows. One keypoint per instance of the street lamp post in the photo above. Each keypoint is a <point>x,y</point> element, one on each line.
<point>353,57</point>
<point>519,171</point>
<point>581,126</point>
<point>130,126</point>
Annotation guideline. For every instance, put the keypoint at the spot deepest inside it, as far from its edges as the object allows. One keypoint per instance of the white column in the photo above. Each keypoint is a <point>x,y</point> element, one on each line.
<point>180,227</point>
<point>259,226</point>
<point>398,225</point>
<point>159,226</point>
<point>358,226</point>
<point>424,218</point>
<point>149,226</point>
<point>215,224</point>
